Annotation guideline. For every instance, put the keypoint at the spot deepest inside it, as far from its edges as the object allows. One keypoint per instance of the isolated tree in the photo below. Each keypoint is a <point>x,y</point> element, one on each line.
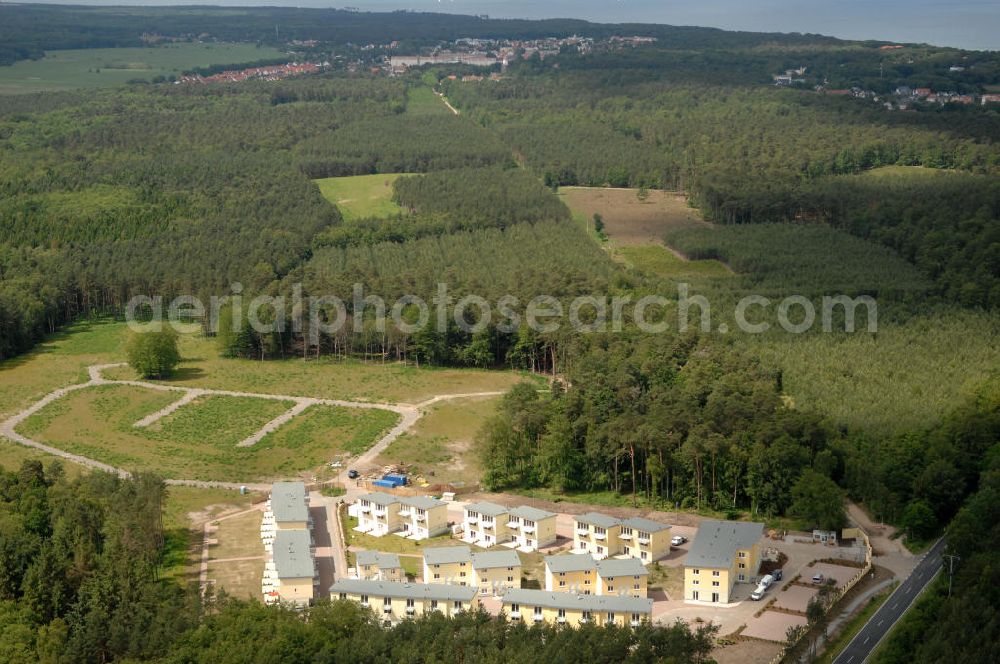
<point>818,501</point>
<point>153,354</point>
<point>919,520</point>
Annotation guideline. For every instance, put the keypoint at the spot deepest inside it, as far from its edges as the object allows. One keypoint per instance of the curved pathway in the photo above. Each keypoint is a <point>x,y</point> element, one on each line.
<point>409,414</point>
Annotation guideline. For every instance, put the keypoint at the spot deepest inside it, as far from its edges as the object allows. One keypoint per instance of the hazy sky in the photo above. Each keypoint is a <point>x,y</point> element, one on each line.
<point>963,23</point>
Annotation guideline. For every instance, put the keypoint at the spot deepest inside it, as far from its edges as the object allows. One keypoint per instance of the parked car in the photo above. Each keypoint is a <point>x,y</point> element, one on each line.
<point>758,593</point>
<point>767,581</point>
<point>817,578</point>
<point>777,574</point>
<point>353,474</point>
<point>677,540</point>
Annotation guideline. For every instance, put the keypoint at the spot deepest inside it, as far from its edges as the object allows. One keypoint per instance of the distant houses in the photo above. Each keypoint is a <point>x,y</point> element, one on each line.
<point>486,524</point>
<point>448,564</point>
<point>723,553</point>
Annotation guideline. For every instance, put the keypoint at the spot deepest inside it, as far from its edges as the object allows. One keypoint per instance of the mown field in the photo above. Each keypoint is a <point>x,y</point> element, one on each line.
<point>199,441</point>
<point>361,196</point>
<point>107,67</point>
<point>631,218</point>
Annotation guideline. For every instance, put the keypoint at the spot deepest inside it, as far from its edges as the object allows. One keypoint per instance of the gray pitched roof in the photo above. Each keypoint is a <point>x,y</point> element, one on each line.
<point>531,513</point>
<point>288,502</point>
<point>440,591</point>
<point>645,525</point>
<point>443,555</point>
<point>595,603</point>
<point>490,509</point>
<point>717,541</point>
<point>610,567</point>
<point>292,557</point>
<point>493,559</point>
<point>380,498</point>
<point>570,562</point>
<point>381,560</point>
<point>423,502</point>
<point>598,519</point>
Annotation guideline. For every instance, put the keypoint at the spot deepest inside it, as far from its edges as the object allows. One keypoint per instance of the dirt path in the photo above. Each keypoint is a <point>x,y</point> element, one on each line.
<point>447,103</point>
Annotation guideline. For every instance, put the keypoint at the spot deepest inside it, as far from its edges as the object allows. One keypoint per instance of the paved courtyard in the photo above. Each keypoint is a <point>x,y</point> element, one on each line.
<point>840,573</point>
<point>772,626</point>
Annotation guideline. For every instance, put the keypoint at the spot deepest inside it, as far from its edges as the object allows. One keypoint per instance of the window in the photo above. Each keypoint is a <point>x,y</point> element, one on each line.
<point>510,579</point>
<point>514,608</point>
<point>635,587</point>
<point>742,554</point>
<point>715,584</point>
<point>586,615</point>
<point>462,574</point>
<point>696,571</point>
<point>611,617</point>
<point>743,565</point>
<point>343,595</point>
<point>562,584</point>
<point>715,572</point>
<point>437,576</point>
<point>611,589</point>
<point>600,549</point>
<point>636,617</point>
<point>364,599</point>
<point>458,605</point>
<point>695,582</point>
<point>434,605</point>
<point>694,594</point>
<point>562,613</point>
<point>644,555</point>
<point>387,601</point>
<point>510,569</point>
<point>538,611</point>
<point>409,603</point>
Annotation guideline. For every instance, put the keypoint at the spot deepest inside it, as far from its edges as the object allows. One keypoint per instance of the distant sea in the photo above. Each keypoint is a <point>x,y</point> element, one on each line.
<point>973,24</point>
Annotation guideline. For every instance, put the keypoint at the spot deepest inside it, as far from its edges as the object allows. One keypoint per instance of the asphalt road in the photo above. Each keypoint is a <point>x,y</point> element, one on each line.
<point>863,644</point>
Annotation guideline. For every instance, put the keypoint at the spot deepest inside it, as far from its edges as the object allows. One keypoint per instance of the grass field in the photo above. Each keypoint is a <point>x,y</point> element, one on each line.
<point>361,196</point>
<point>239,579</point>
<point>199,440</point>
<point>390,543</point>
<point>107,67</point>
<point>441,442</point>
<point>327,378</point>
<point>421,100</point>
<point>662,262</point>
<point>238,537</point>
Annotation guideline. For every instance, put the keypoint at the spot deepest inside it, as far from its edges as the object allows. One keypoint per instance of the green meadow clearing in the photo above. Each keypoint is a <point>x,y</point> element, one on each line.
<point>199,440</point>
<point>361,196</point>
<point>662,262</point>
<point>107,67</point>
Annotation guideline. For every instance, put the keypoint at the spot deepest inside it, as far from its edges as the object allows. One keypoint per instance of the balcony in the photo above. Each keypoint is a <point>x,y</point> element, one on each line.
<point>528,529</point>
<point>379,511</point>
<point>515,615</point>
<point>643,540</point>
<point>583,532</point>
<point>634,623</point>
<point>561,620</point>
<point>365,508</point>
<point>386,609</point>
<point>539,617</point>
<point>625,536</point>
<point>404,513</point>
<point>471,519</point>
<point>410,610</point>
<point>421,517</point>
<point>600,536</point>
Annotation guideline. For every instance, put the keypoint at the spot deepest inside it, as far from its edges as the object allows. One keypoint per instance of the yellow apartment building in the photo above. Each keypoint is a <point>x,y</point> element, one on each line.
<point>395,602</point>
<point>295,567</point>
<point>378,514</point>
<point>723,554</point>
<point>288,507</point>
<point>495,572</point>
<point>627,576</point>
<point>570,609</point>
<point>532,529</point>
<point>645,539</point>
<point>423,517</point>
<point>375,566</point>
<point>597,534</point>
<point>448,564</point>
<point>571,573</point>
<point>486,524</point>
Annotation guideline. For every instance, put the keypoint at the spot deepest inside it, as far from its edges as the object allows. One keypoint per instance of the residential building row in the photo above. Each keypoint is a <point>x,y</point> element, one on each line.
<point>582,574</point>
<point>526,528</point>
<point>418,518</point>
<point>603,536</point>
<point>490,572</point>
<point>290,573</point>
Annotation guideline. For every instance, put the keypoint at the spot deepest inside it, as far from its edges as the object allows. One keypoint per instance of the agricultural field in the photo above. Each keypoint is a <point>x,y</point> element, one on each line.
<point>630,219</point>
<point>327,378</point>
<point>439,448</point>
<point>199,441</point>
<point>362,196</point>
<point>107,67</point>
